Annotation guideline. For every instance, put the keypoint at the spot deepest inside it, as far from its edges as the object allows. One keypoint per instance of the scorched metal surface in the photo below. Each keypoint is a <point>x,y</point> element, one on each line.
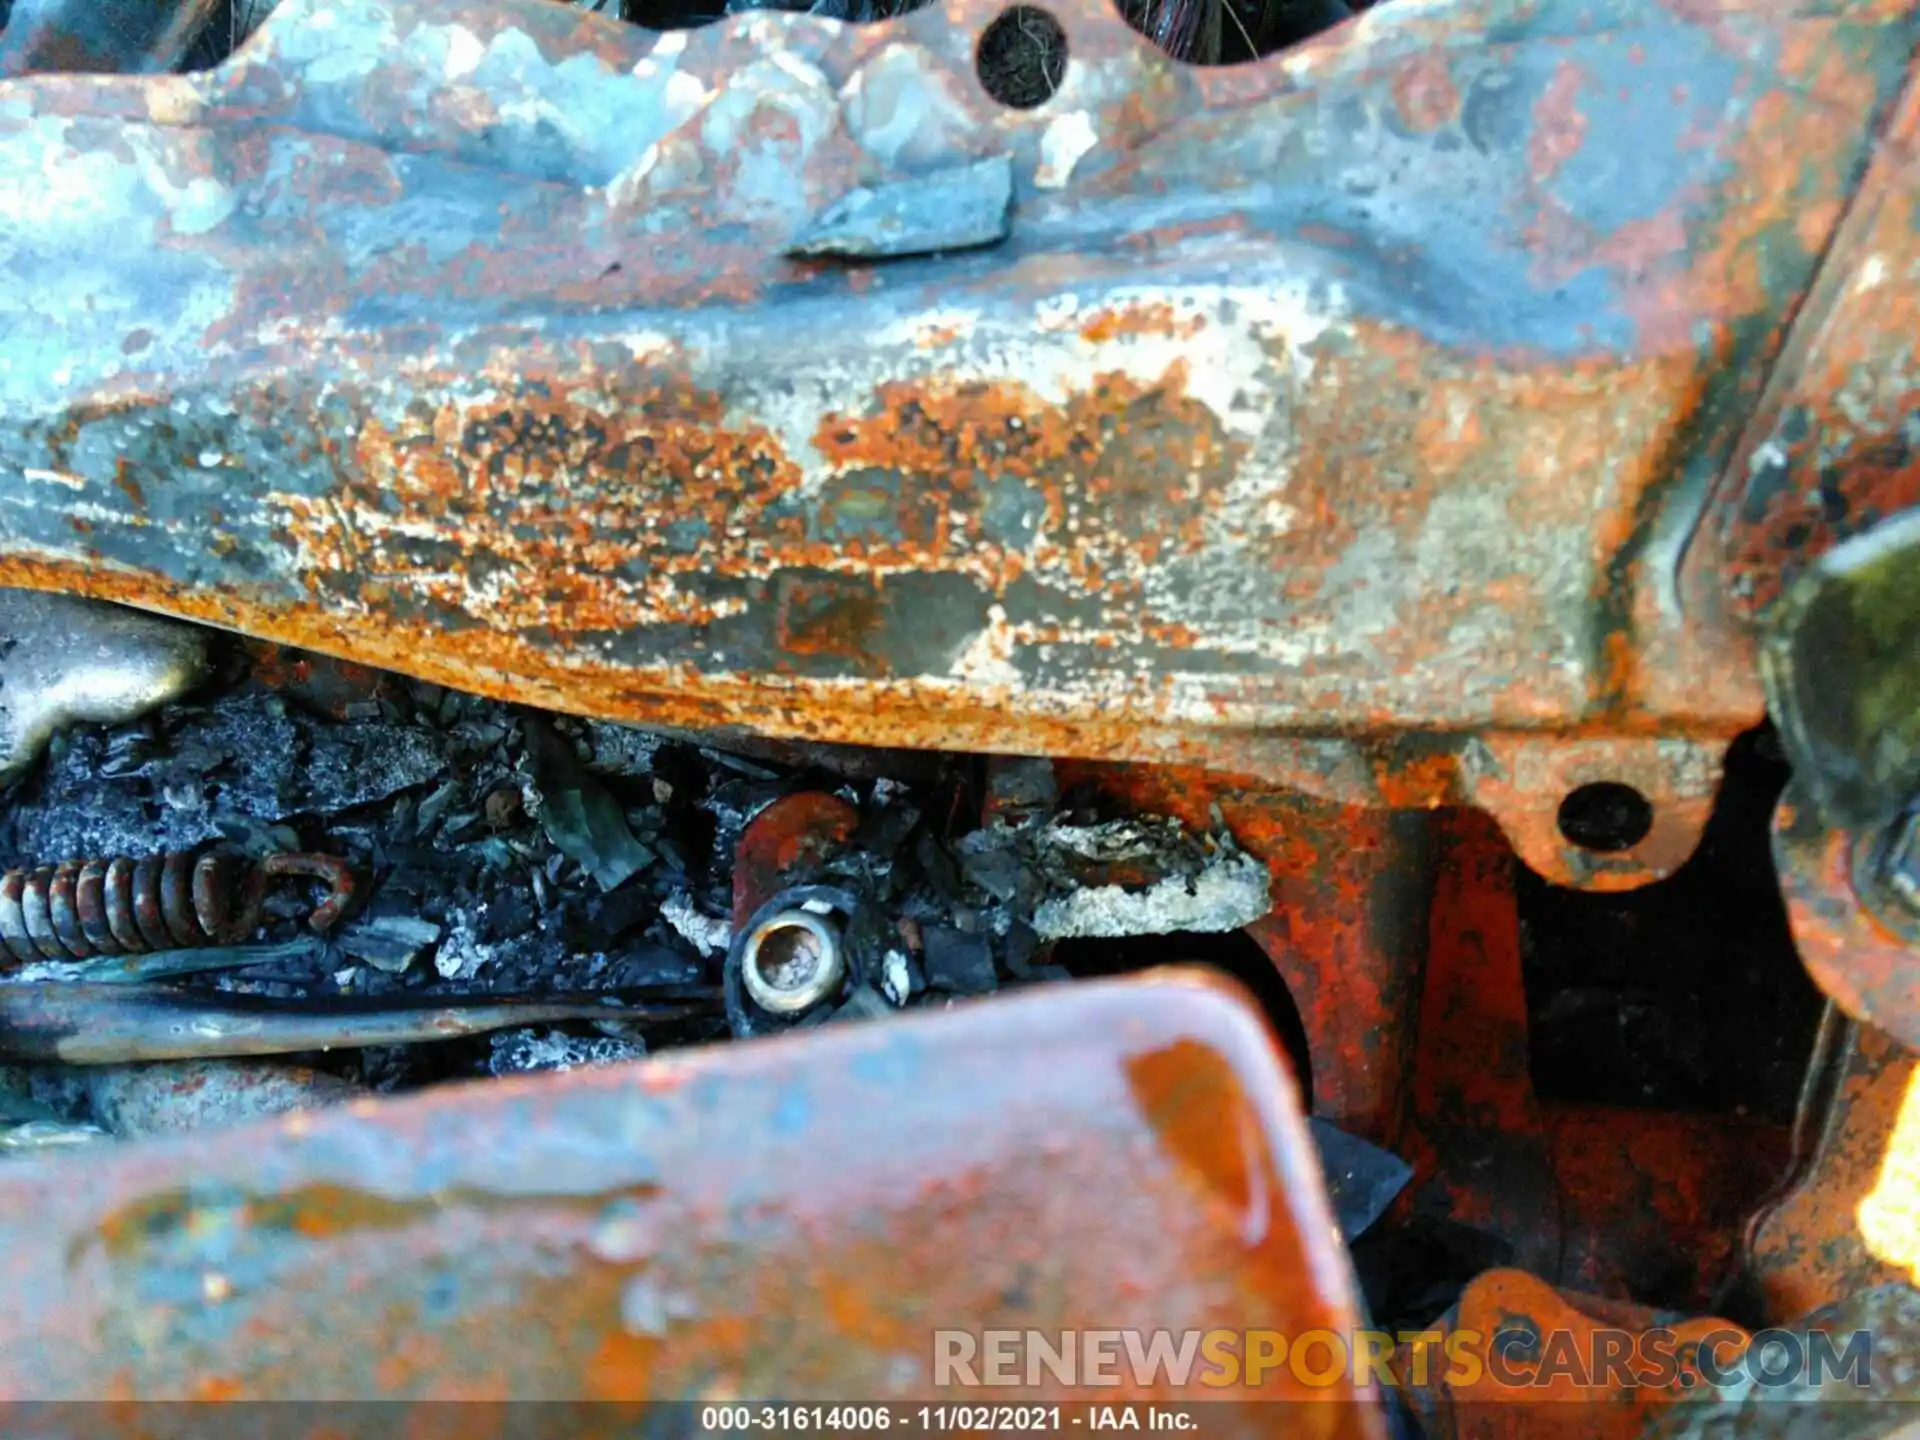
<point>1374,388</point>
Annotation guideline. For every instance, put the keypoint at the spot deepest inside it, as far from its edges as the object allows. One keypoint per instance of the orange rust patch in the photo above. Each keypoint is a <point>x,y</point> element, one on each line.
<point>1424,94</point>
<point>123,477</point>
<point>514,668</point>
<point>539,512</point>
<point>559,513</point>
<point>1559,129</point>
<point>1609,1407</point>
<point>1141,465</point>
<point>1463,421</point>
<point>1158,318</point>
<point>1808,1249</point>
<point>1185,1078</point>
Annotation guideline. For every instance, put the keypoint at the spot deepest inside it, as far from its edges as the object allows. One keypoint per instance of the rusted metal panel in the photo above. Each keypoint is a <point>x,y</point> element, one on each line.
<point>785,844</point>
<point>1606,1200</point>
<point>1536,1394</point>
<point>1831,450</point>
<point>1477,1138</point>
<point>1585,1368</point>
<point>788,1218</point>
<point>1347,931</point>
<point>1806,1249</point>
<point>104,36</point>
<point>1860,959</point>
<point>1357,391</point>
<point>1654,1203</point>
<point>1519,779</point>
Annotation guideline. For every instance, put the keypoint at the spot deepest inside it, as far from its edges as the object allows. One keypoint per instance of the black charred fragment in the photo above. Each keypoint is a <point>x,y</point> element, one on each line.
<point>989,862</point>
<point>579,816</point>
<point>598,922</point>
<point>1362,1179</point>
<point>884,829</point>
<point>389,942</point>
<point>1020,789</point>
<point>958,963</point>
<point>1019,947</point>
<point>350,765</point>
<point>519,1052</point>
<point>481,831</point>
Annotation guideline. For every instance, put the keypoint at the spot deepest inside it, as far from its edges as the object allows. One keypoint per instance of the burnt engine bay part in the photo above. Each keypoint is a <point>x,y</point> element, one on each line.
<point>1391,481</point>
<point>482,867</point>
<point>502,890</point>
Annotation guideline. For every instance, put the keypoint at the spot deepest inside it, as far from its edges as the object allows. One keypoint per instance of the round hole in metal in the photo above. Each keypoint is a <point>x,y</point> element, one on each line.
<point>1605,816</point>
<point>1022,57</point>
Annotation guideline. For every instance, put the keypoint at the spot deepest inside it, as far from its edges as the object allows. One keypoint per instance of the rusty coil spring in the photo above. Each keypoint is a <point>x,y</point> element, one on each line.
<point>84,908</point>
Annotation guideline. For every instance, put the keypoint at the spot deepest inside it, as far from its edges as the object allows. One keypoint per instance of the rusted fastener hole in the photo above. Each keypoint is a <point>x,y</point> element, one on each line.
<point>1605,816</point>
<point>1022,57</point>
<point>793,961</point>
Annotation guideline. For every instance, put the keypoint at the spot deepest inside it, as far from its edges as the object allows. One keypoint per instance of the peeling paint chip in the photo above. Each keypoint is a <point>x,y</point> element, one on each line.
<point>1062,146</point>
<point>959,208</point>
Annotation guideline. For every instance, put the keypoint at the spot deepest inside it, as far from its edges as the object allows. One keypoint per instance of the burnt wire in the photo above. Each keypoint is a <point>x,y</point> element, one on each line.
<point>232,23</point>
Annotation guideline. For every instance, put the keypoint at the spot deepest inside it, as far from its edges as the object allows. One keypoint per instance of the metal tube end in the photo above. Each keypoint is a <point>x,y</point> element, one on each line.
<point>792,961</point>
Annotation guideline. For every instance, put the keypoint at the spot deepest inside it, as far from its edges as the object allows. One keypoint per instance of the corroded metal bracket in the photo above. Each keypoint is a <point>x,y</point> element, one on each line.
<point>860,1186</point>
<point>1372,391</point>
<point>1860,952</point>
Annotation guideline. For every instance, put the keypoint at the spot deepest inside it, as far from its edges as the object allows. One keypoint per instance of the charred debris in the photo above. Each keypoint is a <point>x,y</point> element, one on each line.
<point>384,884</point>
<point>1024,60</point>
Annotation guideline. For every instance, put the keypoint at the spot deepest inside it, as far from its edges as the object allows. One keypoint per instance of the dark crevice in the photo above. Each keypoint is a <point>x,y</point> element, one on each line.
<point>232,22</point>
<point>1235,953</point>
<point>1025,61</point>
<point>1684,995</point>
<point>690,14</point>
<point>1231,32</point>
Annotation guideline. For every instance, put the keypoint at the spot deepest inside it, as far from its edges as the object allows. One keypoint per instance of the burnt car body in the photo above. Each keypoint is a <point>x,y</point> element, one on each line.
<point>1426,486</point>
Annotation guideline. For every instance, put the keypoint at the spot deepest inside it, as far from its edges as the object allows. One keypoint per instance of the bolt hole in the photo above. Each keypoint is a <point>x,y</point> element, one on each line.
<point>1021,57</point>
<point>1605,816</point>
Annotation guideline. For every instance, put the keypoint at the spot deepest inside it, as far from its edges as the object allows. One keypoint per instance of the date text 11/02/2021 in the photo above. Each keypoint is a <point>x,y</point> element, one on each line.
<point>943,1419</point>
